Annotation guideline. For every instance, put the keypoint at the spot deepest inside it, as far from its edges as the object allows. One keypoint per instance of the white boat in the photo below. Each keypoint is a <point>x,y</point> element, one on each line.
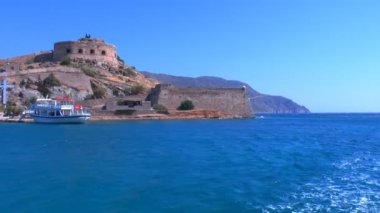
<point>58,110</point>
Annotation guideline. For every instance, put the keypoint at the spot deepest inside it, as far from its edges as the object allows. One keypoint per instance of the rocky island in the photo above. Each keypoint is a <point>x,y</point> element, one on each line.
<point>90,71</point>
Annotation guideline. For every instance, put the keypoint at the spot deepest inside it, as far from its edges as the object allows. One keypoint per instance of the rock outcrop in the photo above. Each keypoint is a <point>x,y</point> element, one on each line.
<point>80,79</point>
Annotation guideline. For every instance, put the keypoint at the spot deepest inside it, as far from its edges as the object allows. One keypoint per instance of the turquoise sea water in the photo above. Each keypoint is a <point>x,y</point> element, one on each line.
<point>288,163</point>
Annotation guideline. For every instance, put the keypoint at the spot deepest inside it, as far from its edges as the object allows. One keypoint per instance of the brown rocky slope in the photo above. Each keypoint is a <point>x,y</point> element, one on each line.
<point>76,78</point>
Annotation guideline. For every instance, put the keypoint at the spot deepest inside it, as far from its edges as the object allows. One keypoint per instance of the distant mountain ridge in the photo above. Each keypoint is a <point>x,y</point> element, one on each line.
<point>260,103</point>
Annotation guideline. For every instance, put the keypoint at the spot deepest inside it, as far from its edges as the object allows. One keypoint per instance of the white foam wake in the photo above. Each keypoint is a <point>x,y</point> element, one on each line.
<point>354,186</point>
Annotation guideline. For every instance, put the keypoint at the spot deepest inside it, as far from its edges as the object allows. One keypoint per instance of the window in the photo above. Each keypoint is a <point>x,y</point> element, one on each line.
<point>68,50</point>
<point>103,52</point>
<point>92,51</point>
<point>80,51</point>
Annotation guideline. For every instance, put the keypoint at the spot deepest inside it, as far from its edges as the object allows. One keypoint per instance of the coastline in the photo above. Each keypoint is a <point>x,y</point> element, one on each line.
<point>174,115</point>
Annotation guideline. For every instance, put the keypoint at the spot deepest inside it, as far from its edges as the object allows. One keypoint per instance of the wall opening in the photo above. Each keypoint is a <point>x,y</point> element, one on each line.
<point>104,52</point>
<point>92,51</point>
<point>68,50</point>
<point>80,51</point>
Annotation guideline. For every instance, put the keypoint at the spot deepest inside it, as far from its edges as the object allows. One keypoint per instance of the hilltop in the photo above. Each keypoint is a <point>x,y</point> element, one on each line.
<point>81,79</point>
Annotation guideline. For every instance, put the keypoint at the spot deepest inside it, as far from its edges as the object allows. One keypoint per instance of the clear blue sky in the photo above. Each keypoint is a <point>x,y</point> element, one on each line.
<point>324,54</point>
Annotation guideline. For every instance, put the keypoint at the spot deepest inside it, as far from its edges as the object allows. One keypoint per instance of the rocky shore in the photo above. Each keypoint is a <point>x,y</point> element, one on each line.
<point>14,120</point>
<point>174,115</point>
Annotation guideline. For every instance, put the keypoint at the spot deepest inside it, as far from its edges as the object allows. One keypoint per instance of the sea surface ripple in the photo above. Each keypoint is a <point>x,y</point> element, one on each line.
<point>283,163</point>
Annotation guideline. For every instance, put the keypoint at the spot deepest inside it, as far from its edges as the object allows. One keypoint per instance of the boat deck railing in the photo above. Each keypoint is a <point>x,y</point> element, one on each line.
<point>58,107</point>
<point>47,106</point>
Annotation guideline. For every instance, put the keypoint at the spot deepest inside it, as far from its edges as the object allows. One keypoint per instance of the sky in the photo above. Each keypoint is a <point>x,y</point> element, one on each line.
<point>323,54</point>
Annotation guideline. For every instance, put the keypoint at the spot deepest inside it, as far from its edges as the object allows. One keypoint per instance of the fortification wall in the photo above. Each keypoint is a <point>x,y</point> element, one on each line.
<point>55,68</point>
<point>66,75</point>
<point>232,101</point>
<point>18,59</point>
<point>89,49</point>
<point>20,62</point>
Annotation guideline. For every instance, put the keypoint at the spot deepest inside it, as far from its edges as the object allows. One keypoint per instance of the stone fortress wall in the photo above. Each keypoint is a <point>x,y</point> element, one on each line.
<point>20,63</point>
<point>86,48</point>
<point>232,101</point>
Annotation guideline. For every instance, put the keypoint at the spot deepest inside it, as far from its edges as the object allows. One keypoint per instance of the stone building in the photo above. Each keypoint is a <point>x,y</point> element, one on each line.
<point>86,48</point>
<point>231,101</point>
<point>129,105</point>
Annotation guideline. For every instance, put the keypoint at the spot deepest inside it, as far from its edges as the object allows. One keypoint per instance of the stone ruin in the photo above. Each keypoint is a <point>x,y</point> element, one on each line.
<point>86,48</point>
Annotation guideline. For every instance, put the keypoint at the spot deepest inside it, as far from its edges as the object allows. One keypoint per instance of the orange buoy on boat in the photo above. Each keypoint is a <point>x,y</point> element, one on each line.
<point>77,106</point>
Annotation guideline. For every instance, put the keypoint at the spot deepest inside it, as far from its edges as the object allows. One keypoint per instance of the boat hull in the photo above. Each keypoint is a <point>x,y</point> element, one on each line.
<point>61,119</point>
